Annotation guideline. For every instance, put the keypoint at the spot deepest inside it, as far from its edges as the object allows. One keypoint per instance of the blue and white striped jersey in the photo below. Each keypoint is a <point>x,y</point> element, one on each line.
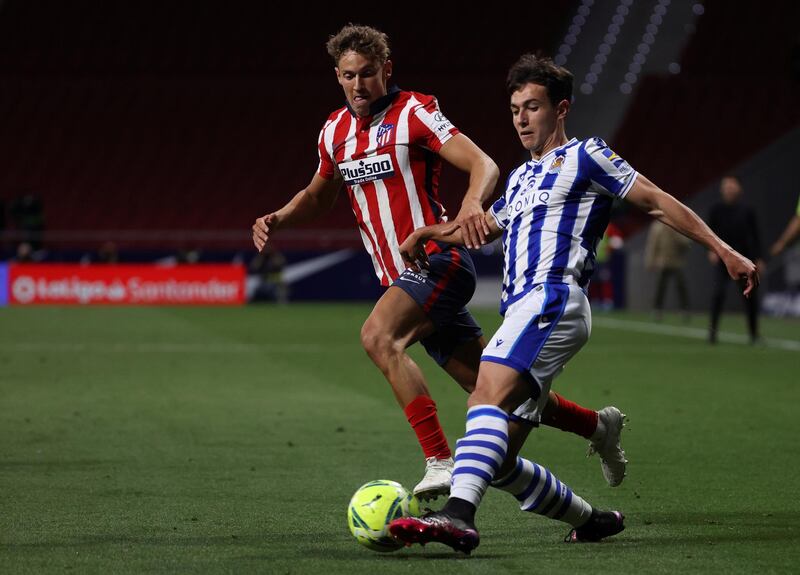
<point>554,212</point>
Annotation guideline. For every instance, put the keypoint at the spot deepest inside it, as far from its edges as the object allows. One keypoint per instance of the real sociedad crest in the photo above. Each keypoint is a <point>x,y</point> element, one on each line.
<point>555,167</point>
<point>384,134</point>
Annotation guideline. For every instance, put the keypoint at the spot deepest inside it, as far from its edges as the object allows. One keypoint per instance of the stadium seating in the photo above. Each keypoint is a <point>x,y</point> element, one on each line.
<point>737,92</point>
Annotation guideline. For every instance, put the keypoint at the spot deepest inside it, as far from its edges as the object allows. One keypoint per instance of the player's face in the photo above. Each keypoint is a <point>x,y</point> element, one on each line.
<point>363,80</point>
<point>535,117</point>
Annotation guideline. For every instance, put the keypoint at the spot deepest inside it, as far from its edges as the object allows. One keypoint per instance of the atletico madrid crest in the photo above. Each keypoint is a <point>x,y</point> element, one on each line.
<point>384,134</point>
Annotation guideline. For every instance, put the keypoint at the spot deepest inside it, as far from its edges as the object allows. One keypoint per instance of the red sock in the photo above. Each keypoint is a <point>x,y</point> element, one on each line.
<point>421,414</point>
<point>569,416</point>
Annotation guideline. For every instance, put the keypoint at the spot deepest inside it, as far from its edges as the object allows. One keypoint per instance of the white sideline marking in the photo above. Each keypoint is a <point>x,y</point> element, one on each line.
<point>690,332</point>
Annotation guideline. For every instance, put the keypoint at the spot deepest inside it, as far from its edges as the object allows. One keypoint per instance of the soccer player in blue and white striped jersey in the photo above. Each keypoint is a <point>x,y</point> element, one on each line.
<point>552,215</point>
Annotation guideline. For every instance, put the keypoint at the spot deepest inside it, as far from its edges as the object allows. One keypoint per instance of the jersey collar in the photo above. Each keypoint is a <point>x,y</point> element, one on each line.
<point>554,151</point>
<point>378,105</point>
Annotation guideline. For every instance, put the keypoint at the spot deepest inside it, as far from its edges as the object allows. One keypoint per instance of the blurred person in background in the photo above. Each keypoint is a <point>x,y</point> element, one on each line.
<point>268,265</point>
<point>27,216</point>
<point>601,290</point>
<point>789,234</point>
<point>735,223</point>
<point>108,253</point>
<point>665,254</point>
<point>24,253</point>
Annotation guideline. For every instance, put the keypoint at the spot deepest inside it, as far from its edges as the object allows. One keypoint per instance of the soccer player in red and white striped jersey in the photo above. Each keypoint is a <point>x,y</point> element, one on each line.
<point>389,161</point>
<point>386,147</point>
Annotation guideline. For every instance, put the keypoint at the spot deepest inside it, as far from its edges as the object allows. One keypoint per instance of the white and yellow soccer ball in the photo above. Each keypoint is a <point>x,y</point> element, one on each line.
<point>373,507</point>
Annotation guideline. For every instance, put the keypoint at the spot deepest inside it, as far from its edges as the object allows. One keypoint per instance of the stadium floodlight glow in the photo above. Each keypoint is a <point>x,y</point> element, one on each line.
<point>631,78</point>
<point>656,19</point>
<point>560,59</point>
<point>591,77</point>
<point>625,88</point>
<point>565,49</point>
<point>610,39</point>
<point>587,88</point>
<point>596,68</point>
<point>699,9</point>
<point>604,48</point>
<point>634,67</point>
<point>600,58</point>
<point>674,68</point>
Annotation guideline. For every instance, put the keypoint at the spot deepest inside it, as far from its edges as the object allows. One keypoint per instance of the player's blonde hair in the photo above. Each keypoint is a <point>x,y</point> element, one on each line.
<point>365,40</point>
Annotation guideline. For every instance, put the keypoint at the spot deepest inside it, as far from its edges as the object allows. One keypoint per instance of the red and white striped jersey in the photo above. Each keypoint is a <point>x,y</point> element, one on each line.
<point>390,164</point>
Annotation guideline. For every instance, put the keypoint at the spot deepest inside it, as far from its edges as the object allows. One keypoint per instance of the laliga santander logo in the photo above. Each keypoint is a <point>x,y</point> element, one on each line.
<point>126,284</point>
<point>24,289</point>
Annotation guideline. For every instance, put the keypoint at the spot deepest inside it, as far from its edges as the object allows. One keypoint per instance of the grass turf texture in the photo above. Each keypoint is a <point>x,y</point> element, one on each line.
<point>216,440</point>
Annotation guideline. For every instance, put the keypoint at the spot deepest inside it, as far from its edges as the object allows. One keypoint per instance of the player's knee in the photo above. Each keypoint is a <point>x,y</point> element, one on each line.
<point>375,341</point>
<point>482,393</point>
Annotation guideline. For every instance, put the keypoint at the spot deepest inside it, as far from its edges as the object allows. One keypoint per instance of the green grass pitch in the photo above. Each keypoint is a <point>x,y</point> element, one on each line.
<point>208,440</point>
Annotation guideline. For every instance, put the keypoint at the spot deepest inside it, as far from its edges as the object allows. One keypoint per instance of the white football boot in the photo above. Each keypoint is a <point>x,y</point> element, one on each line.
<point>605,442</point>
<point>438,473</point>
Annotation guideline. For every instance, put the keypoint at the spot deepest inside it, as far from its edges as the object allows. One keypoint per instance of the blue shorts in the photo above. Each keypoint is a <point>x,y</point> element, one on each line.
<point>442,291</point>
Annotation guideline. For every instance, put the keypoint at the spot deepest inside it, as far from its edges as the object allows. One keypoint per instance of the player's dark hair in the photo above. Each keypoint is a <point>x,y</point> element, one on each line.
<point>533,69</point>
<point>364,40</point>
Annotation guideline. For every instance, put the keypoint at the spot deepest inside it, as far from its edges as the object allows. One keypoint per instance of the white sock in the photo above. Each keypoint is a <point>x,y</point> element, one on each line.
<point>480,452</point>
<point>539,491</point>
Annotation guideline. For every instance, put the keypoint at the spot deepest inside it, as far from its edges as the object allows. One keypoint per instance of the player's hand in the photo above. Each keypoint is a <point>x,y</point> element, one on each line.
<point>741,268</point>
<point>262,229</point>
<point>472,220</point>
<point>413,252</point>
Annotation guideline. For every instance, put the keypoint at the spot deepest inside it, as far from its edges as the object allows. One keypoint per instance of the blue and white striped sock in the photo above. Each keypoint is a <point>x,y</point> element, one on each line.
<point>480,452</point>
<point>539,491</point>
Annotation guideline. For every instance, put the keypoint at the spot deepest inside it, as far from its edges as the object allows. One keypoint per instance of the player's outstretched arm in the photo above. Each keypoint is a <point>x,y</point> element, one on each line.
<point>648,197</point>
<point>413,249</point>
<point>791,232</point>
<point>312,201</point>
<point>464,154</point>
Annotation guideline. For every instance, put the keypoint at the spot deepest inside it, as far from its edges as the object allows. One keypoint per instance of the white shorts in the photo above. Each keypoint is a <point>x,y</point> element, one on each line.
<point>539,335</point>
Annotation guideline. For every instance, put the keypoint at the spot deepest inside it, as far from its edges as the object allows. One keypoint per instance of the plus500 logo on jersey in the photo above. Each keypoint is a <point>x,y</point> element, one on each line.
<point>367,169</point>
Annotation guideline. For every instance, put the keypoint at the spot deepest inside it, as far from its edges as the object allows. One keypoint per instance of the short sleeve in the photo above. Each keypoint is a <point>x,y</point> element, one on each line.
<point>428,127</point>
<point>606,169</point>
<point>499,211</point>
<point>327,167</point>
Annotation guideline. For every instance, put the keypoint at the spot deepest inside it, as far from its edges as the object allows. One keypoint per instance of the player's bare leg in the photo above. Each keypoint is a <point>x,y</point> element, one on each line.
<point>465,362</point>
<point>395,323</point>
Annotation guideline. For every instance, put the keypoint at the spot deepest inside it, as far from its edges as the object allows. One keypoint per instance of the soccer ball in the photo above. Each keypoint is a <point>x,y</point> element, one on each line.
<point>373,507</point>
